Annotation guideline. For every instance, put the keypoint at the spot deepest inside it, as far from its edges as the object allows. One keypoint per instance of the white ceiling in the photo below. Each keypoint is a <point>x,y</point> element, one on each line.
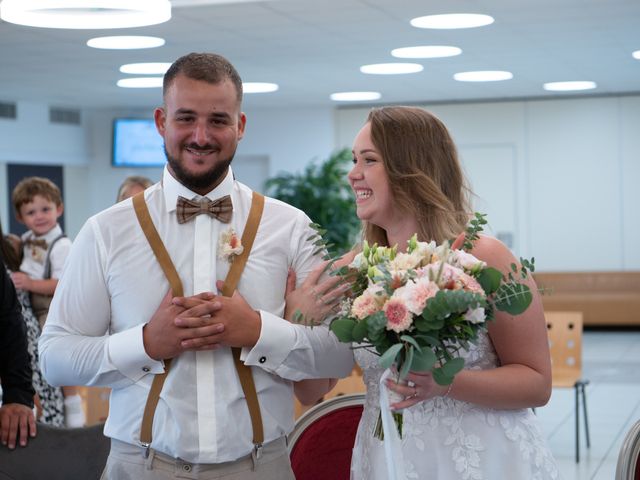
<point>313,48</point>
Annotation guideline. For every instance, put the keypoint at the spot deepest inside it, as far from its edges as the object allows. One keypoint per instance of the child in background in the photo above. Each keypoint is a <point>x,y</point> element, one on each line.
<point>38,205</point>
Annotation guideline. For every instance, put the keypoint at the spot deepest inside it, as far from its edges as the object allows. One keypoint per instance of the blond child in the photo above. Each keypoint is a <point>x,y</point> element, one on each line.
<point>38,205</point>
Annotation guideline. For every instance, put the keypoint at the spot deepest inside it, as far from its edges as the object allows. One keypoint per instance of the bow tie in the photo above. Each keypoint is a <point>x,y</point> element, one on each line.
<point>220,208</point>
<point>37,242</point>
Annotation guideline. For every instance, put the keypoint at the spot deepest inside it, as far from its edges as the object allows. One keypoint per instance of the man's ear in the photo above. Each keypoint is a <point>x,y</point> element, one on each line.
<point>160,117</point>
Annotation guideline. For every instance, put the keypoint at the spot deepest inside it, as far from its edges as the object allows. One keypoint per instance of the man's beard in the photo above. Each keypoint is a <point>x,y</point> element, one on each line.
<point>193,182</point>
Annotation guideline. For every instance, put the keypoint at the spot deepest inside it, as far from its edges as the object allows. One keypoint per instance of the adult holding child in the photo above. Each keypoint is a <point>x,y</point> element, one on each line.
<point>201,381</point>
<point>407,179</point>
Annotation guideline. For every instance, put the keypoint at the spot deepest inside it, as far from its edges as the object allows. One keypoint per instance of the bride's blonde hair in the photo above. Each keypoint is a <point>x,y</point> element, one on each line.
<point>425,175</point>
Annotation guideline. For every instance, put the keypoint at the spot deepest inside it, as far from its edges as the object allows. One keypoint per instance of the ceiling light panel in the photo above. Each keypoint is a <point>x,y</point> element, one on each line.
<point>85,14</point>
<point>426,51</point>
<point>124,42</point>
<point>354,96</point>
<point>140,82</point>
<point>259,87</point>
<point>391,68</point>
<point>569,86</point>
<point>145,68</point>
<point>483,76</point>
<point>452,21</point>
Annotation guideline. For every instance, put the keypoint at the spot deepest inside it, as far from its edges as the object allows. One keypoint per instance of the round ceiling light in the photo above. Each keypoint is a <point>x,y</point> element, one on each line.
<point>483,76</point>
<point>569,86</point>
<point>145,68</point>
<point>140,82</point>
<point>426,51</point>
<point>452,20</point>
<point>636,54</point>
<point>354,96</point>
<point>124,42</point>
<point>259,87</point>
<point>85,14</point>
<point>391,68</point>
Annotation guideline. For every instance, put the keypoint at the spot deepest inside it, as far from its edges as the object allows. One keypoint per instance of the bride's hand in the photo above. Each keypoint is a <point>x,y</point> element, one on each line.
<point>317,297</point>
<point>417,387</point>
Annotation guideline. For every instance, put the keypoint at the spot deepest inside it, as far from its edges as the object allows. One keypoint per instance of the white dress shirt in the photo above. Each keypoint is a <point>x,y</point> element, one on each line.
<point>113,284</point>
<point>34,257</point>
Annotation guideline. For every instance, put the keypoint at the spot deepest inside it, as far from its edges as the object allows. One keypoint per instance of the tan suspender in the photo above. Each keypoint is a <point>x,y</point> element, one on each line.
<point>231,281</point>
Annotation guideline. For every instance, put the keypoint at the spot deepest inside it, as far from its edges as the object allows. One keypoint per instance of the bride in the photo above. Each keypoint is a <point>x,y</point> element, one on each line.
<point>407,178</point>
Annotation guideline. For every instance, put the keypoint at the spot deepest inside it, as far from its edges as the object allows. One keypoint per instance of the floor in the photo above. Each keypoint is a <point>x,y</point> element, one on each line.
<point>611,362</point>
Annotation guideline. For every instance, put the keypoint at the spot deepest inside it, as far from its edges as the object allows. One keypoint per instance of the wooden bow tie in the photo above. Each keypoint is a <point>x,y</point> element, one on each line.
<point>220,208</point>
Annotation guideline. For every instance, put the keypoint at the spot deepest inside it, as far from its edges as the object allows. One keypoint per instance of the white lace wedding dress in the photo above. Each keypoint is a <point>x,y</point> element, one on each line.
<point>446,439</point>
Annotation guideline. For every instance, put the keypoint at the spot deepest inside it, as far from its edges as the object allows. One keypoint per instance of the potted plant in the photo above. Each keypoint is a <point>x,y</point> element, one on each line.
<point>323,192</point>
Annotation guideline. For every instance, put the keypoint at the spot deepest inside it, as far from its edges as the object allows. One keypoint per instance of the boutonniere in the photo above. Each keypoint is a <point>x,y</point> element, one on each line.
<point>229,245</point>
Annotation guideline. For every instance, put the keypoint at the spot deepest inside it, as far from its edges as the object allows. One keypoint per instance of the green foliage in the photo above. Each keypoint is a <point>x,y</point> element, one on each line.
<point>474,228</point>
<point>322,191</point>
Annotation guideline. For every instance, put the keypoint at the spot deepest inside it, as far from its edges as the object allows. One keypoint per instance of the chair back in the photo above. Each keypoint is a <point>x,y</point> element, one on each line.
<point>628,467</point>
<point>57,454</point>
<point>564,330</point>
<point>322,439</point>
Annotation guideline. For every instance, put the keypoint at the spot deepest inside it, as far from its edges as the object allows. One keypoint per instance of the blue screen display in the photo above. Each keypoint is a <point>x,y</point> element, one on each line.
<point>137,143</point>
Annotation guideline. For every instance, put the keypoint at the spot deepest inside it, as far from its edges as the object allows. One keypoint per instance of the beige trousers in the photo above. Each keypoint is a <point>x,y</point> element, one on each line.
<point>126,462</point>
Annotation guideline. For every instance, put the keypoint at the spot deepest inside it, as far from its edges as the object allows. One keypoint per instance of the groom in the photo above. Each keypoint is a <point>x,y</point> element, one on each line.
<point>138,310</point>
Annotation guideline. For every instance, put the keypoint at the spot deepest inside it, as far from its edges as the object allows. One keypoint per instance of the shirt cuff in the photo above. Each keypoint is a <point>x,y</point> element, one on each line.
<point>277,339</point>
<point>127,354</point>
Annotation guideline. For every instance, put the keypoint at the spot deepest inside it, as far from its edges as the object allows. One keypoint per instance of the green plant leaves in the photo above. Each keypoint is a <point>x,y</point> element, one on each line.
<point>489,279</point>
<point>513,298</point>
<point>343,329</point>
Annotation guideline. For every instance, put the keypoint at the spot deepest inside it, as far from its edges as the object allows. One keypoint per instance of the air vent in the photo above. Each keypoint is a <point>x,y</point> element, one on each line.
<point>64,115</point>
<point>7,110</point>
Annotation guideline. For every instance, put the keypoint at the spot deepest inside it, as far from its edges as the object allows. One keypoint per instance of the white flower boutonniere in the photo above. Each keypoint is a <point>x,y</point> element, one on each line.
<point>229,245</point>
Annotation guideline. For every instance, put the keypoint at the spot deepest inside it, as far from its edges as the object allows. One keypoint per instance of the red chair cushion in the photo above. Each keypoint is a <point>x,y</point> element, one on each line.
<point>323,450</point>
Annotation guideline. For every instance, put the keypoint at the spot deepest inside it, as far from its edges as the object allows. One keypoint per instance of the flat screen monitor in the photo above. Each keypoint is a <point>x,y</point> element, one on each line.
<point>136,143</point>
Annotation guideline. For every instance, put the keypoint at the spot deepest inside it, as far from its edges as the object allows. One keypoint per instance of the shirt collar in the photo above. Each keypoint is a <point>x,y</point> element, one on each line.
<point>172,189</point>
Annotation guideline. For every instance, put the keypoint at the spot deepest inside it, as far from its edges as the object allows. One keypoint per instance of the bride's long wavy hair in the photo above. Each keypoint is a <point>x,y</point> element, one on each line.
<point>425,175</point>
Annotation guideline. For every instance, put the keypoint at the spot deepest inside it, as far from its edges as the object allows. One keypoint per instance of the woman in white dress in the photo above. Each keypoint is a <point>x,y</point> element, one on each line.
<point>407,178</point>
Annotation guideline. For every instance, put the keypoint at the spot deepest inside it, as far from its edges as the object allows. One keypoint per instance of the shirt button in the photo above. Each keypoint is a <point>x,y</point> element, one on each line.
<point>146,369</point>
<point>262,359</point>
<point>186,467</point>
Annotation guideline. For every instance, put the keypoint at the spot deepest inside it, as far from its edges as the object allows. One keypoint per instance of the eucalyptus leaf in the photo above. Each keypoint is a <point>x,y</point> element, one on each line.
<point>388,357</point>
<point>423,361</point>
<point>343,329</point>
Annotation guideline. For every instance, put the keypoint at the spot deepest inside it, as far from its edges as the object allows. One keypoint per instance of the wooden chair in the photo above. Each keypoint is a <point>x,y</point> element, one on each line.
<point>628,467</point>
<point>322,439</point>
<point>565,343</point>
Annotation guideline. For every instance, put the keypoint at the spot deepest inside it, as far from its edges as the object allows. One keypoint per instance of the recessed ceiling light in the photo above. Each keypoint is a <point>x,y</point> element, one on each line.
<point>426,51</point>
<point>391,68</point>
<point>259,87</point>
<point>124,42</point>
<point>145,68</point>
<point>483,76</point>
<point>636,54</point>
<point>140,82</point>
<point>85,14</point>
<point>354,96</point>
<point>452,20</point>
<point>569,86</point>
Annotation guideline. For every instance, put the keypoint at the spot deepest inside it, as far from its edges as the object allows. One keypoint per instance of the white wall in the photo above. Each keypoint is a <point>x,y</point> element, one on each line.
<point>560,175</point>
<point>275,141</point>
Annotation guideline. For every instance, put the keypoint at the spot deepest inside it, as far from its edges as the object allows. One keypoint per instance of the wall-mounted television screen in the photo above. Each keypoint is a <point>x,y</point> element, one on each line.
<point>136,143</point>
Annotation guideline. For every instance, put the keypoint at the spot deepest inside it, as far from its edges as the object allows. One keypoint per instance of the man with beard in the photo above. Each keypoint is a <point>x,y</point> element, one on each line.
<point>136,308</point>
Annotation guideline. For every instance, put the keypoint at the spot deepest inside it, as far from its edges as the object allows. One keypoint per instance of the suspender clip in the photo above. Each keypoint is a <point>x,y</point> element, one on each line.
<point>256,453</point>
<point>145,452</point>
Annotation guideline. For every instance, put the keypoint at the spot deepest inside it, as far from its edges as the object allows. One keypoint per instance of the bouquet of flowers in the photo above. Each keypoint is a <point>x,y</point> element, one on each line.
<point>419,309</point>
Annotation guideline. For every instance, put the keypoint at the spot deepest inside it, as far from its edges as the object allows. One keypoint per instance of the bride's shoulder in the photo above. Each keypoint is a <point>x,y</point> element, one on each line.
<point>492,251</point>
